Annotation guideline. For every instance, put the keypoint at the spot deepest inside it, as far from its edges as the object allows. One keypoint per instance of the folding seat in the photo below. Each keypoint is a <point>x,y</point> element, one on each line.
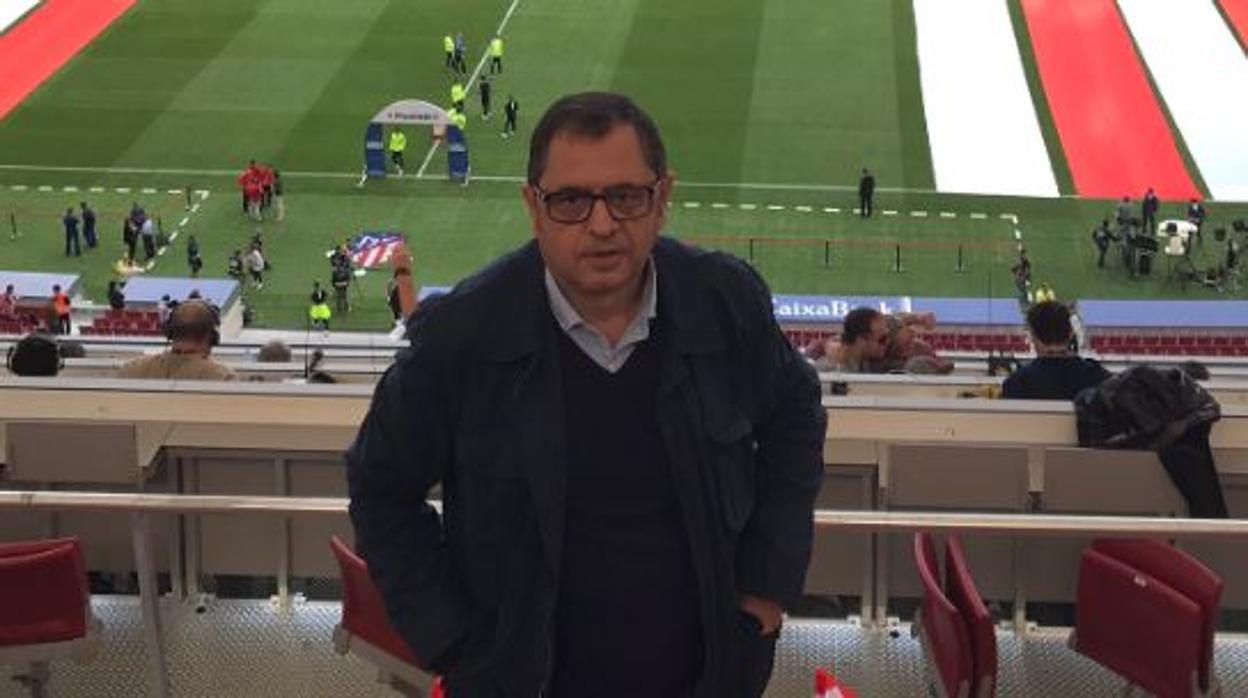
<point>366,631</point>
<point>940,628</point>
<point>961,589</point>
<point>1147,611</point>
<point>45,610</point>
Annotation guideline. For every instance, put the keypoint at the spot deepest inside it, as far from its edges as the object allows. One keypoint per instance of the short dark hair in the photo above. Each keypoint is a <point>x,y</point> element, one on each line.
<point>857,324</point>
<point>35,355</point>
<point>1050,322</point>
<point>593,115</point>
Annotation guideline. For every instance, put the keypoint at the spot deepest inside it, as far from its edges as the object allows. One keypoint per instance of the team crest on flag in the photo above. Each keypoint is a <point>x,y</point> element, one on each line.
<point>370,250</point>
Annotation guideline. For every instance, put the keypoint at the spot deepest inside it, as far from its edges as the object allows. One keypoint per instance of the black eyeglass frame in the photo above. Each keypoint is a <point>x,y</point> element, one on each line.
<point>651,190</point>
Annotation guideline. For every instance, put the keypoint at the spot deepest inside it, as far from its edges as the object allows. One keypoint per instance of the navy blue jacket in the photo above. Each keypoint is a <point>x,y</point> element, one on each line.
<point>476,406</point>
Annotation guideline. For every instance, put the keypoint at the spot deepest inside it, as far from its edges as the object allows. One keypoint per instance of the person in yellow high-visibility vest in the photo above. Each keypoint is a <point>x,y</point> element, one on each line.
<point>448,45</point>
<point>496,55</point>
<point>398,143</point>
<point>458,95</point>
<point>456,118</point>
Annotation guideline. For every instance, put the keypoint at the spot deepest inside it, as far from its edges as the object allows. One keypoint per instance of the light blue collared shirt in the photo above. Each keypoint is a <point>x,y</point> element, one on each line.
<point>593,342</point>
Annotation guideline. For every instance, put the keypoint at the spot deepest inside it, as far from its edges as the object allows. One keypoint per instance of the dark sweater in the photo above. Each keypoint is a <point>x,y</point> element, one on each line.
<point>627,620</point>
<point>1054,378</point>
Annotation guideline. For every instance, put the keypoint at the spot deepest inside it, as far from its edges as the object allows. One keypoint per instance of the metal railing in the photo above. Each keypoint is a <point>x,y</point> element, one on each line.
<point>141,507</point>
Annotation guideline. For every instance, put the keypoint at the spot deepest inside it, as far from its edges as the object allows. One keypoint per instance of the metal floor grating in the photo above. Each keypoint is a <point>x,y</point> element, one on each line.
<point>250,648</point>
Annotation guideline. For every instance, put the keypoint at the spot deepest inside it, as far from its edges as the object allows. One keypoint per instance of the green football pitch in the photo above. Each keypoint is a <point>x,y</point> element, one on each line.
<point>769,109</point>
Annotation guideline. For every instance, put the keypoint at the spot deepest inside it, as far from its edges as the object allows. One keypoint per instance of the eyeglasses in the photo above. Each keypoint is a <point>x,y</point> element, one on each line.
<point>625,202</point>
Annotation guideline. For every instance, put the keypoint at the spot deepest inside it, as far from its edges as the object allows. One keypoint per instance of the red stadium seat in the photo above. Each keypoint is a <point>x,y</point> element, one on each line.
<point>45,610</point>
<point>366,630</point>
<point>962,591</point>
<point>1139,614</point>
<point>941,628</point>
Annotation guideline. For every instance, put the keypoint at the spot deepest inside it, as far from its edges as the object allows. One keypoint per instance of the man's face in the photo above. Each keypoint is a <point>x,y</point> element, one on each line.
<point>874,345</point>
<point>601,255</point>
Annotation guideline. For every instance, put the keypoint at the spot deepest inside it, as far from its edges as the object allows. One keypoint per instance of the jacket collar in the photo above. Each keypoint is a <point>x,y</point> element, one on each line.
<point>519,325</point>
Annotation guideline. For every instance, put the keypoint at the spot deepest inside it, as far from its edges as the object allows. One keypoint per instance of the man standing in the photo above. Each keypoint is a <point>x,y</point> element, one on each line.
<point>461,48</point>
<point>72,248</point>
<point>88,226</point>
<point>628,476</point>
<point>448,45</point>
<point>458,95</point>
<point>496,55</point>
<point>1123,215</point>
<point>62,308</point>
<point>510,110</point>
<point>340,278</point>
<point>866,194</point>
<point>1196,216</point>
<point>147,231</point>
<point>398,143</point>
<point>1103,237</point>
<point>1149,209</point>
<point>483,87</point>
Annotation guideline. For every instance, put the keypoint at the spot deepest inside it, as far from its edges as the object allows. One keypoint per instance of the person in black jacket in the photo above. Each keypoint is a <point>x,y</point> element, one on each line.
<point>629,449</point>
<point>1057,373</point>
<point>866,194</point>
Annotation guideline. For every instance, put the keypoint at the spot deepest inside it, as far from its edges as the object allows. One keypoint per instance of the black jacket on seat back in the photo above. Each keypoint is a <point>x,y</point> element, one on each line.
<point>1163,411</point>
<point>476,405</point>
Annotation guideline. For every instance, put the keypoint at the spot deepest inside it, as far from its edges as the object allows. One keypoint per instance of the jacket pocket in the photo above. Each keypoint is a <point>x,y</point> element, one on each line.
<point>732,453</point>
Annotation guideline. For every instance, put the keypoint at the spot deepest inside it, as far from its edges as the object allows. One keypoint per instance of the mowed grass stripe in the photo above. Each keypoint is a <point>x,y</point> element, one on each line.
<point>255,91</point>
<point>692,65</point>
<point>916,152</point>
<point>550,53</point>
<point>94,109</point>
<point>400,56</point>
<point>821,107</point>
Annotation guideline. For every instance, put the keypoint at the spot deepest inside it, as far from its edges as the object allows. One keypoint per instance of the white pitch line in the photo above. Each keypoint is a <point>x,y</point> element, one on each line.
<point>18,187</point>
<point>719,204</point>
<point>173,191</point>
<point>1010,217</point>
<point>69,189</point>
<point>775,207</point>
<point>122,190</point>
<point>1018,235</point>
<point>184,221</point>
<point>830,209</point>
<point>803,209</point>
<point>887,212</point>
<point>147,190</point>
<point>203,193</point>
<point>194,208</point>
<point>485,56</point>
<point>948,214</point>
<point>747,207</point>
<point>918,214</point>
<point>692,204</point>
<point>45,187</point>
<point>96,190</point>
<point>979,216</point>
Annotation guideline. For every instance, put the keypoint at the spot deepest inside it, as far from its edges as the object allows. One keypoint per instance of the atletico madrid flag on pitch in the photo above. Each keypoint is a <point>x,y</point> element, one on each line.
<point>369,250</point>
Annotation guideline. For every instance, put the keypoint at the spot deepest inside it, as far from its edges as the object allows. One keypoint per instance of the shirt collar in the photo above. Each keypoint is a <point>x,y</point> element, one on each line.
<point>568,318</point>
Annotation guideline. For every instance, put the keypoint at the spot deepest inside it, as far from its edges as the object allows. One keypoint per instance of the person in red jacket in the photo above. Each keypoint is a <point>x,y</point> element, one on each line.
<point>266,186</point>
<point>251,174</point>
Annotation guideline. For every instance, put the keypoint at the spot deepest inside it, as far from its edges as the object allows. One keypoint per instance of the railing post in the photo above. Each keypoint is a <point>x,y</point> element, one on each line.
<point>149,602</point>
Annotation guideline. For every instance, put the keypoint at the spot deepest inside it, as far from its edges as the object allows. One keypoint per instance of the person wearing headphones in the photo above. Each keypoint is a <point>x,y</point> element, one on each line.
<point>192,330</point>
<point>35,355</point>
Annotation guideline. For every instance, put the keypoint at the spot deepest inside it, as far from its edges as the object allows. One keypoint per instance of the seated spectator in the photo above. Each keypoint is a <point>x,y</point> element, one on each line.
<point>864,338</point>
<point>116,299</point>
<point>193,332</point>
<point>163,308</point>
<point>906,352</point>
<point>8,302</point>
<point>274,351</point>
<point>35,355</point>
<point>1057,373</point>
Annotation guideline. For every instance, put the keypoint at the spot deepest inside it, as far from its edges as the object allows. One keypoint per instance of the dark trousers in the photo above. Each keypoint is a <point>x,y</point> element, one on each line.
<point>62,324</point>
<point>510,126</point>
<point>450,59</point>
<point>71,243</point>
<point>496,65</point>
<point>485,105</point>
<point>1102,248</point>
<point>1150,223</point>
<point>90,236</point>
<point>340,299</point>
<point>396,156</point>
<point>866,204</point>
<point>149,246</point>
